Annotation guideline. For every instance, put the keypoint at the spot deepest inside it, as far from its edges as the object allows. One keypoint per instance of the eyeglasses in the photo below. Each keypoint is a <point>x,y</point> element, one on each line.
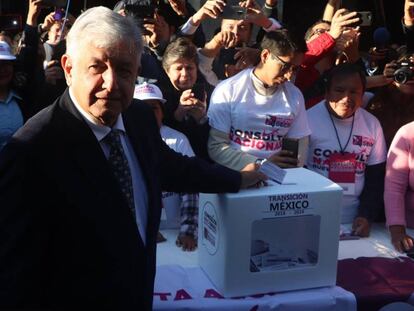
<point>285,65</point>
<point>318,32</point>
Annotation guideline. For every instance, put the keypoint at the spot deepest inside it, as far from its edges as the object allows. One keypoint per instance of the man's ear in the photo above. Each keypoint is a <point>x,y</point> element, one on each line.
<point>66,62</point>
<point>264,55</point>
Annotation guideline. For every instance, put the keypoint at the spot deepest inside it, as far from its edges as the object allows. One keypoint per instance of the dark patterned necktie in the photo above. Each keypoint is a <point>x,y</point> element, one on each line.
<point>120,167</point>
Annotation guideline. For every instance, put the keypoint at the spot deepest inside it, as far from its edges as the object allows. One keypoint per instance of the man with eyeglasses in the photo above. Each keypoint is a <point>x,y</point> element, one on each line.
<point>251,112</point>
<point>324,39</point>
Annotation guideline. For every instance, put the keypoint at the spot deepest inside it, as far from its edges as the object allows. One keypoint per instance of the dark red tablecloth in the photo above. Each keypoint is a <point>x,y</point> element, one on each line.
<point>377,281</point>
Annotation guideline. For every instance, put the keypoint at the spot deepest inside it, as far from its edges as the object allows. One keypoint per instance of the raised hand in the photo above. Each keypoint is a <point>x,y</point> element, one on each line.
<point>340,21</point>
<point>409,12</point>
<point>210,9</point>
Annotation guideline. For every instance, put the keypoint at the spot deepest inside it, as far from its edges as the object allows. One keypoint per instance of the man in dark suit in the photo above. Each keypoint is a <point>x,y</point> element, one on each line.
<point>80,183</point>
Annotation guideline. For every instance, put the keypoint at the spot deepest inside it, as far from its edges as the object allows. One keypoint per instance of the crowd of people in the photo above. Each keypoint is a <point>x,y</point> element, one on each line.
<point>111,89</point>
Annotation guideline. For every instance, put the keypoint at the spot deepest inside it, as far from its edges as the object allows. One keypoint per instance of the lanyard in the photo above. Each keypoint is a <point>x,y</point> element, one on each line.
<point>336,131</point>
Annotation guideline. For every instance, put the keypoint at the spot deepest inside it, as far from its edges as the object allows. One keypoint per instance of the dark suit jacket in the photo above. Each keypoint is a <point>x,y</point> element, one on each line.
<point>68,240</point>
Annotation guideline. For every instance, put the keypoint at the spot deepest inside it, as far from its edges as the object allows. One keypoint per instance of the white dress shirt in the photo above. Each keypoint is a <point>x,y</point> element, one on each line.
<point>138,182</point>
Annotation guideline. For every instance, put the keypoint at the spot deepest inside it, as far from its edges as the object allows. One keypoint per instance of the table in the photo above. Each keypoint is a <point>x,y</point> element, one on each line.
<point>181,284</point>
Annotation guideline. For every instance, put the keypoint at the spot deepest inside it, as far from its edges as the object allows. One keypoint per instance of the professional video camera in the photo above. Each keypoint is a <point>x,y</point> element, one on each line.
<point>404,72</point>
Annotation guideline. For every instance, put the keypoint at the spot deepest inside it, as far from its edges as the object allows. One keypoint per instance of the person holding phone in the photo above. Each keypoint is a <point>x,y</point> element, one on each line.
<point>235,33</point>
<point>251,112</point>
<point>186,94</point>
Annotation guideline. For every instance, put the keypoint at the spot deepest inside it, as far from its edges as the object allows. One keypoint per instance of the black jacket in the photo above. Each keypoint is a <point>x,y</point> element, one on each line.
<point>68,240</point>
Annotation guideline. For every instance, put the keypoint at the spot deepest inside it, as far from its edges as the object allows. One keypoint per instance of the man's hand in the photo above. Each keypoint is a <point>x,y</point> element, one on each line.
<point>189,105</point>
<point>389,70</point>
<point>340,21</point>
<point>409,13</point>
<point>211,8</point>
<point>254,14</point>
<point>284,159</point>
<point>361,227</point>
<point>186,242</point>
<point>401,241</point>
<point>179,7</point>
<point>34,11</point>
<point>350,44</point>
<point>251,177</point>
<point>225,39</point>
<point>48,21</point>
<point>156,30</point>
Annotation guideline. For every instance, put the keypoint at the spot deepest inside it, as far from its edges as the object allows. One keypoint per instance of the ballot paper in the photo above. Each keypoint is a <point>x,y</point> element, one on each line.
<point>272,171</point>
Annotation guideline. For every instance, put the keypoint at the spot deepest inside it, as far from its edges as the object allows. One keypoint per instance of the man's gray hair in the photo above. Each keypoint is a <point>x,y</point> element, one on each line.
<point>103,28</point>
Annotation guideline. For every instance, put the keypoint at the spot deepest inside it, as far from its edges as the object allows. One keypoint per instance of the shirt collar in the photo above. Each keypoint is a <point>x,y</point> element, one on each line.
<point>99,130</point>
<point>10,97</point>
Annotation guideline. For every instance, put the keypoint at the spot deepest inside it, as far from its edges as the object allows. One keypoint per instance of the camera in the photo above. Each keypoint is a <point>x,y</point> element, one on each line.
<point>404,73</point>
<point>55,3</point>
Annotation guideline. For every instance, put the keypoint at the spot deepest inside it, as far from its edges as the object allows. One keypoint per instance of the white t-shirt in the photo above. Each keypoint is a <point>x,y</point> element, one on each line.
<point>256,123</point>
<point>171,201</point>
<point>366,141</point>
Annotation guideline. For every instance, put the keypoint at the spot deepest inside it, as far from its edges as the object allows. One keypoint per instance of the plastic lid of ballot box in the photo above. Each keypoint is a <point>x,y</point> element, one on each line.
<point>276,238</point>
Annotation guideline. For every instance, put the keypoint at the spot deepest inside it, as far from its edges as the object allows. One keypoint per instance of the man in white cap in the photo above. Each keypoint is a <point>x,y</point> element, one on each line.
<point>11,116</point>
<point>180,210</point>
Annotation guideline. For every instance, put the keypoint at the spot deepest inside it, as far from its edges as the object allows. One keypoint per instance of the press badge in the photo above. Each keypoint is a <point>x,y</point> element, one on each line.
<point>342,168</point>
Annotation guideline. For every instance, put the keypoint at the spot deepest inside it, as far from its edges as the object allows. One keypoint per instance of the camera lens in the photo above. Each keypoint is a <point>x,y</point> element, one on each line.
<point>402,75</point>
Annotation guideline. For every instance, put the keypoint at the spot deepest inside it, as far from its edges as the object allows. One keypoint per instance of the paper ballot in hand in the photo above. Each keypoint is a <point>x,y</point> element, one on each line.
<point>272,171</point>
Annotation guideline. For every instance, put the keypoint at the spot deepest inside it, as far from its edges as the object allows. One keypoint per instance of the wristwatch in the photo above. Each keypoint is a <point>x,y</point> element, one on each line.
<point>259,161</point>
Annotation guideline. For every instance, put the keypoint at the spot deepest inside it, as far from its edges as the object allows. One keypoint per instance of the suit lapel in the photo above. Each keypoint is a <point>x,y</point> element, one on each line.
<point>88,154</point>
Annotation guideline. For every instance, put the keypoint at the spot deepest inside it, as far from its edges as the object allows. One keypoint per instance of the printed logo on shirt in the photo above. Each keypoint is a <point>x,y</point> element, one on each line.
<point>359,140</point>
<point>268,141</point>
<point>274,120</point>
<point>320,159</point>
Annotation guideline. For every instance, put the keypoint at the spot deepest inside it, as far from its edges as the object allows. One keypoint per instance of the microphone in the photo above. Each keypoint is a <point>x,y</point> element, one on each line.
<point>381,37</point>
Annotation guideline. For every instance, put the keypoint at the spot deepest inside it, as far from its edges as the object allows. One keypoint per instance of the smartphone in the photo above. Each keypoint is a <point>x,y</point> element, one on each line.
<point>292,145</point>
<point>233,10</point>
<point>59,14</point>
<point>365,18</point>
<point>199,91</point>
<point>56,3</point>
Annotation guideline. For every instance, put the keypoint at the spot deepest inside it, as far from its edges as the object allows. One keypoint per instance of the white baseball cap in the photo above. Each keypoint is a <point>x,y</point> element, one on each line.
<point>5,51</point>
<point>148,91</point>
